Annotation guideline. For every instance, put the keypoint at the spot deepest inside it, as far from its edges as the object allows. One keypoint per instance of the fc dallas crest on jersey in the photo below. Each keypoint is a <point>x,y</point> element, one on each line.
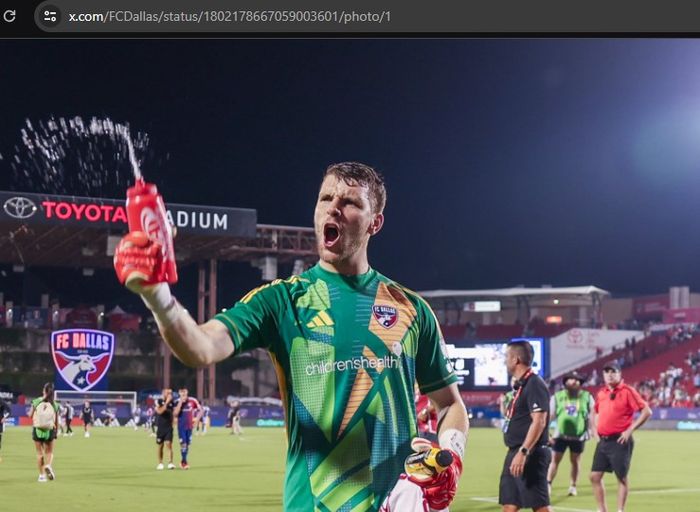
<point>385,315</point>
<point>82,356</point>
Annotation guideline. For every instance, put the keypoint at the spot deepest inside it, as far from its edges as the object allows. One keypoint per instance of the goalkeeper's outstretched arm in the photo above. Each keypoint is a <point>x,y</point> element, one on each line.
<point>138,262</point>
<point>193,344</point>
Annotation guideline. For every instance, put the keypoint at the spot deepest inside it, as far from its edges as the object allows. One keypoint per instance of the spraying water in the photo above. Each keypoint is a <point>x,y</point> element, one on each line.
<point>78,157</point>
<point>108,127</point>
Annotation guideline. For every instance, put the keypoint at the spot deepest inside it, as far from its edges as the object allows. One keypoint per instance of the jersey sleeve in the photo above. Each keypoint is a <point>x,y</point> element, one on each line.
<point>253,321</point>
<point>635,399</point>
<point>433,368</point>
<point>537,396</point>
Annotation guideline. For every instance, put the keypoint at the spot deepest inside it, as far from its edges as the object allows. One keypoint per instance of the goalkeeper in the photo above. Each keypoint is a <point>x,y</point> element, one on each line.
<point>348,345</point>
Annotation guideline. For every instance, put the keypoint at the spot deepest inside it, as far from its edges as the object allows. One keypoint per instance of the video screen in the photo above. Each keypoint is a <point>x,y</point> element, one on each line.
<point>482,365</point>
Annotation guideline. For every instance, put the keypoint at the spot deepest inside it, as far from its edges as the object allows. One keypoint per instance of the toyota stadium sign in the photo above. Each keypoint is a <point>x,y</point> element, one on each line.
<point>19,207</point>
<point>92,212</point>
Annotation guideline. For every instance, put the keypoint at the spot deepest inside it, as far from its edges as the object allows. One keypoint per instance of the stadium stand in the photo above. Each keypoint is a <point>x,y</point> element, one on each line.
<point>498,332</point>
<point>549,330</point>
<point>661,366</point>
<point>454,332</point>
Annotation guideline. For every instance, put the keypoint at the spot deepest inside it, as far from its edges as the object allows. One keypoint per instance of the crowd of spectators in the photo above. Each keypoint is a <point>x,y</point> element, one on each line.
<point>671,388</point>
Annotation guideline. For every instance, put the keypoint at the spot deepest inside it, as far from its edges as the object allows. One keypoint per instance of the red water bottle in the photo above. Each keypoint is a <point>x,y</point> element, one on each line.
<point>145,212</point>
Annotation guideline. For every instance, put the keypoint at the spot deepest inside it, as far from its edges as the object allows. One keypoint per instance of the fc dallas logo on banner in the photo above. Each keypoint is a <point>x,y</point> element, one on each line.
<point>82,356</point>
<point>385,315</point>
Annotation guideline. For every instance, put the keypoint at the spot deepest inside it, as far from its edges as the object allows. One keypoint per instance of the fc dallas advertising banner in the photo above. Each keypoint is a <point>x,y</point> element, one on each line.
<point>82,358</point>
<point>100,213</point>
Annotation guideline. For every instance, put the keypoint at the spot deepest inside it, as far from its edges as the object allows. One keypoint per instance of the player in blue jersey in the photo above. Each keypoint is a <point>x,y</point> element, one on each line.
<point>188,412</point>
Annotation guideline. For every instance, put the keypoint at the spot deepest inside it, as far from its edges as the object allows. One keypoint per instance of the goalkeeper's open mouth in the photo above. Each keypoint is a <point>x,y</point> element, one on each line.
<point>331,235</point>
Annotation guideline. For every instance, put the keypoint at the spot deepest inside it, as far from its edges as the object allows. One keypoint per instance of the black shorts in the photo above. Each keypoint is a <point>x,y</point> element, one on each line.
<point>52,436</point>
<point>163,435</point>
<point>560,445</point>
<point>611,456</point>
<point>87,420</point>
<point>529,490</point>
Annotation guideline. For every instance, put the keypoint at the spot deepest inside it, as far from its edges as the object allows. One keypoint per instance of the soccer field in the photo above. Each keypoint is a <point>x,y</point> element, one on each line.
<point>115,470</point>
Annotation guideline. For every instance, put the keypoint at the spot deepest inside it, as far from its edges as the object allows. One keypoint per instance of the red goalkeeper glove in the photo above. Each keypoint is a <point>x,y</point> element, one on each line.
<point>138,261</point>
<point>139,264</point>
<point>440,489</point>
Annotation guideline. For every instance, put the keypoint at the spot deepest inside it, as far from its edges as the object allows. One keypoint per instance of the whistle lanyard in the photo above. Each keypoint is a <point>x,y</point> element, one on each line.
<point>522,381</point>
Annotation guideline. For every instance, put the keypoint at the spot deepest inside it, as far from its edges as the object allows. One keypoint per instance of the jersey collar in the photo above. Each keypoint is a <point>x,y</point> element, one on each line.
<point>356,282</point>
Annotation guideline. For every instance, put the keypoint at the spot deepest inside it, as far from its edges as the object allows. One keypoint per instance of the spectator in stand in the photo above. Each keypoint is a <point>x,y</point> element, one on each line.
<point>615,404</point>
<point>696,399</point>
<point>593,379</point>
<point>696,380</point>
<point>645,353</point>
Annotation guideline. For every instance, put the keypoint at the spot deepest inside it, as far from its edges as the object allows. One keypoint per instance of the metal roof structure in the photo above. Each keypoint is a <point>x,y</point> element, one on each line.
<point>69,231</point>
<point>566,296</point>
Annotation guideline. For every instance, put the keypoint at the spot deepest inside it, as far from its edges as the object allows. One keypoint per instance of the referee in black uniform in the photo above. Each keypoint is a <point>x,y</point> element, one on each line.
<point>524,477</point>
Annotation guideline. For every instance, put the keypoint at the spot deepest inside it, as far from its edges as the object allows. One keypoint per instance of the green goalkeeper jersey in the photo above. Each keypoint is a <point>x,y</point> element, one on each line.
<point>347,351</point>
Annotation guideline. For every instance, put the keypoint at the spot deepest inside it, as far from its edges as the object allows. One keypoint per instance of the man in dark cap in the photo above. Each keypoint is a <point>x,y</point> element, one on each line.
<point>573,409</point>
<point>615,406</point>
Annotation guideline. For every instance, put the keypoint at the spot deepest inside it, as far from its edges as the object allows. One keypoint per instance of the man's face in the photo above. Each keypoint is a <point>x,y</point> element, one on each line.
<point>511,359</point>
<point>572,384</point>
<point>183,394</point>
<point>611,376</point>
<point>343,220</point>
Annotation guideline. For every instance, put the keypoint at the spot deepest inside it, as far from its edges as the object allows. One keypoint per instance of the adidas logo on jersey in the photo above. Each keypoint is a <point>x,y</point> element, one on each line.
<point>320,320</point>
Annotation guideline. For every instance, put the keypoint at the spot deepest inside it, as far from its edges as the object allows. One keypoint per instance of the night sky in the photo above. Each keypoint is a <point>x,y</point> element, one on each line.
<point>562,162</point>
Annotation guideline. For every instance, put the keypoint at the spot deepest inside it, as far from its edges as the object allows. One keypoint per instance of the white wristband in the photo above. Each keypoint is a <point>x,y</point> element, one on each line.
<point>453,439</point>
<point>162,304</point>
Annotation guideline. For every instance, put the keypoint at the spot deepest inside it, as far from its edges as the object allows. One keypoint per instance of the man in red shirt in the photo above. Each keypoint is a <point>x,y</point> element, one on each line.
<point>615,406</point>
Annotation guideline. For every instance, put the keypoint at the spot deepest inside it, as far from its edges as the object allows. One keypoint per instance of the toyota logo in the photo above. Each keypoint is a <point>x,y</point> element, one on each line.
<point>19,207</point>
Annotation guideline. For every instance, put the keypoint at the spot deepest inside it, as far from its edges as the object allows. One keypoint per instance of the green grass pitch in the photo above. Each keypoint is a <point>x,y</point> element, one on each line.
<point>115,470</point>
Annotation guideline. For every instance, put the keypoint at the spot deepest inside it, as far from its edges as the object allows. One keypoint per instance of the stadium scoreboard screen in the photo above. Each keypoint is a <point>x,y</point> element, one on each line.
<point>481,365</point>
